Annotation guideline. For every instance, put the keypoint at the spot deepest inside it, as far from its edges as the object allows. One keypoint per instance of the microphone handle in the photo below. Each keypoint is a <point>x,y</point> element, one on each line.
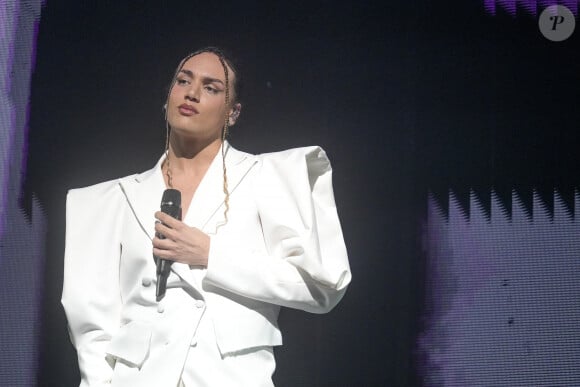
<point>163,268</point>
<point>164,265</point>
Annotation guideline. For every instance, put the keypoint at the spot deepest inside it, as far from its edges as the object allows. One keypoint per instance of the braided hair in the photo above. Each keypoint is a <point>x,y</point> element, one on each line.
<point>232,95</point>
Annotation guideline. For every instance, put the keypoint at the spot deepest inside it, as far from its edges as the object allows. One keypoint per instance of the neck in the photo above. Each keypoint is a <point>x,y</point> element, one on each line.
<point>188,159</point>
<point>186,154</point>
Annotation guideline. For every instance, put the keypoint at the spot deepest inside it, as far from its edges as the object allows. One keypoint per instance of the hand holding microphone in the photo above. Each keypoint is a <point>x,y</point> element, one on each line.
<point>175,241</point>
<point>170,205</point>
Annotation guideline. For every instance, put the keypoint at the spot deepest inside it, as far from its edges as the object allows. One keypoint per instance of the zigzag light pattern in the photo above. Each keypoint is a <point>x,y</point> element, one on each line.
<point>503,294</point>
<point>530,6</point>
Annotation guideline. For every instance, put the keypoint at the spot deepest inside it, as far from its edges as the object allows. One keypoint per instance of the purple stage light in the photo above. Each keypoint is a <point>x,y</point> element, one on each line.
<point>502,294</point>
<point>21,237</point>
<point>531,7</point>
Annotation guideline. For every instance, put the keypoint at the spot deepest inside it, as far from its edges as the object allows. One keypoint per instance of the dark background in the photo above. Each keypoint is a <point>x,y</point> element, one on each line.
<point>406,98</point>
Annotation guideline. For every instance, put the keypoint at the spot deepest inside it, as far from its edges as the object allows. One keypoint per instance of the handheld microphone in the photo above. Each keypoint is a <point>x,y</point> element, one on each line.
<point>171,205</point>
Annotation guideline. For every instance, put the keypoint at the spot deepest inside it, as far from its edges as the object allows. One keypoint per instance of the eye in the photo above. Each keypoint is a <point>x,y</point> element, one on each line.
<point>181,81</point>
<point>211,89</point>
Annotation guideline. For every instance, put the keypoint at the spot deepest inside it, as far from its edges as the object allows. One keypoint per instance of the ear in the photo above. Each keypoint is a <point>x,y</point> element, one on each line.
<point>234,114</point>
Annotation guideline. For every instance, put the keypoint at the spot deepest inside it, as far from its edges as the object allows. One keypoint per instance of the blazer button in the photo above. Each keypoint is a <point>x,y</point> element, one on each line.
<point>146,282</point>
<point>199,304</point>
<point>160,308</point>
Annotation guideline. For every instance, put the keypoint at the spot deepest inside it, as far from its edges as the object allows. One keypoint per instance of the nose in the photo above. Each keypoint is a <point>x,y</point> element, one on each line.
<point>193,93</point>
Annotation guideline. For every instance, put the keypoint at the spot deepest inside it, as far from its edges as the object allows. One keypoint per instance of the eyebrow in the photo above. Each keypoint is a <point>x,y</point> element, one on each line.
<point>206,79</point>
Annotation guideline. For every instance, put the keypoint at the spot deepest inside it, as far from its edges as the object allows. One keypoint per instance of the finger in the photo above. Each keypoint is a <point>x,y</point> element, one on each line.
<point>167,219</point>
<point>164,254</point>
<point>162,229</point>
<point>163,244</point>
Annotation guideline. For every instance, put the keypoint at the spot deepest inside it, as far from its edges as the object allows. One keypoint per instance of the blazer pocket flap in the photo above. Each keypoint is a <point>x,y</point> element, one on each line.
<point>241,327</point>
<point>131,343</point>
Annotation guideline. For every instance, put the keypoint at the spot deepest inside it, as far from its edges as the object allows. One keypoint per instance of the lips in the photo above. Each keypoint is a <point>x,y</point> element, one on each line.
<point>187,110</point>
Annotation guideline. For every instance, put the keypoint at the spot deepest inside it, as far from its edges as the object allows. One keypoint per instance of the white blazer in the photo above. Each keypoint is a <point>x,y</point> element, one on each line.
<point>282,245</point>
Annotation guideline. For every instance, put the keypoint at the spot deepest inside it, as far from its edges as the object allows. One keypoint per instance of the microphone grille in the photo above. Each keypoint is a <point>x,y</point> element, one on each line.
<point>171,197</point>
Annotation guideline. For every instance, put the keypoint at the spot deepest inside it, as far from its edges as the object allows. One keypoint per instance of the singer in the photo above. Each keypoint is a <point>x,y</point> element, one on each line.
<point>258,232</point>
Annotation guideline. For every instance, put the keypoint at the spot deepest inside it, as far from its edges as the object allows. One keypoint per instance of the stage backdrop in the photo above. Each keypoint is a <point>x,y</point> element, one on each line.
<point>451,127</point>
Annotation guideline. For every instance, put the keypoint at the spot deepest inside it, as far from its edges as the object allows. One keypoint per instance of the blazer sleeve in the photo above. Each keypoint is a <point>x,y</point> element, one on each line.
<point>91,295</point>
<point>306,265</point>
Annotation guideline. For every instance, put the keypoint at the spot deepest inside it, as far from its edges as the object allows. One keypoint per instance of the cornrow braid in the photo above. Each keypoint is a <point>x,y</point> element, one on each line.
<point>224,135</point>
<point>225,63</point>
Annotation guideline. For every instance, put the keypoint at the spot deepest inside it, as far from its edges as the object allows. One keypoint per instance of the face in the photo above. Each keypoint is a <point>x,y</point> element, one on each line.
<point>196,107</point>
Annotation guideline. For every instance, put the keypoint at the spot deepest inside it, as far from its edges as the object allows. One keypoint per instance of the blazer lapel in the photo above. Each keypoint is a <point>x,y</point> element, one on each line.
<point>206,209</point>
<point>143,193</point>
